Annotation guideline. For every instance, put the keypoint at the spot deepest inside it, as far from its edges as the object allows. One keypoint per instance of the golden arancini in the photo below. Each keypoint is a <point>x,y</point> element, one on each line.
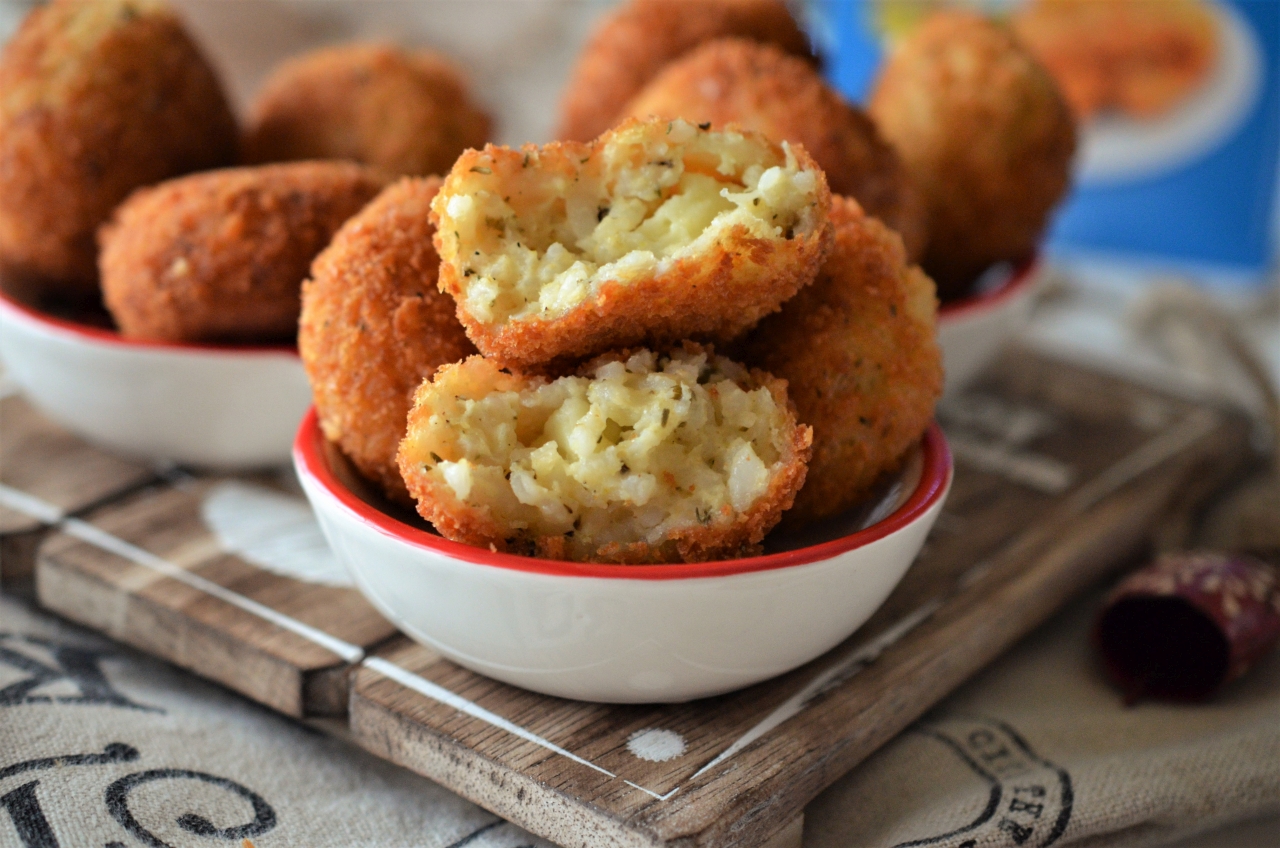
<point>655,232</point>
<point>221,256</point>
<point>633,42</point>
<point>861,360</point>
<point>96,99</point>
<point>407,113</point>
<point>640,457</point>
<point>375,325</point>
<point>760,87</point>
<point>986,136</point>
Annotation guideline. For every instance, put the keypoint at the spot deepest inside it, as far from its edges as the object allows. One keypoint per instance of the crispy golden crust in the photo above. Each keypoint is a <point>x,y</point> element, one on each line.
<point>96,99</point>
<point>1141,59</point>
<point>715,295</point>
<point>221,256</point>
<point>859,354</point>
<point>985,134</point>
<point>474,525</point>
<point>633,43</point>
<point>407,113</point>
<point>760,87</point>
<point>375,325</point>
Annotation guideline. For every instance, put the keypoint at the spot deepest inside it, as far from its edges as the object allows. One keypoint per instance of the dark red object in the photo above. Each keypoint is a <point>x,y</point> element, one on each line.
<point>1188,623</point>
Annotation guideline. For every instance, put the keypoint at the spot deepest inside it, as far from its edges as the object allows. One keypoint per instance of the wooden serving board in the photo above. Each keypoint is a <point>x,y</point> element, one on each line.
<point>1060,474</point>
<point>149,571</point>
<point>60,471</point>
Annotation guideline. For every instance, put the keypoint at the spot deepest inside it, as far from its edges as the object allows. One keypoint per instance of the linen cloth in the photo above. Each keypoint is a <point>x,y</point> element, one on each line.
<point>101,746</point>
<point>1039,749</point>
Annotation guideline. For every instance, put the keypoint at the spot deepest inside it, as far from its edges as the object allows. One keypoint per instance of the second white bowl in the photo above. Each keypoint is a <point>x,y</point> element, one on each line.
<point>224,407</point>
<point>971,331</point>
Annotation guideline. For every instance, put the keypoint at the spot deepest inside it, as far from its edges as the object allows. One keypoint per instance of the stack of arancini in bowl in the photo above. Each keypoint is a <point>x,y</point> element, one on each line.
<point>598,445</point>
<point>675,340</point>
<point>151,304</point>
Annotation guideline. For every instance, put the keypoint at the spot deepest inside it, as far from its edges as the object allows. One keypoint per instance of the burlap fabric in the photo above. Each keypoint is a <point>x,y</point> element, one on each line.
<point>100,746</point>
<point>1040,750</point>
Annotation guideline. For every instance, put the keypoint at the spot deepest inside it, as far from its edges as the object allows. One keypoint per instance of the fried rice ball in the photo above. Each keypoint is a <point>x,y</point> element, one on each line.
<point>986,136</point>
<point>407,113</point>
<point>375,325</point>
<point>760,87</point>
<point>656,232</point>
<point>640,457</point>
<point>637,39</point>
<point>1140,57</point>
<point>96,99</point>
<point>861,360</point>
<point>221,256</point>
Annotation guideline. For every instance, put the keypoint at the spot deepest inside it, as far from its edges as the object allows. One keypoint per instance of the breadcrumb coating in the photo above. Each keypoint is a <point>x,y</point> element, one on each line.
<point>656,232</point>
<point>636,40</point>
<point>375,325</point>
<point>639,457</point>
<point>760,87</point>
<point>221,256</point>
<point>859,353</point>
<point>406,113</point>
<point>96,99</point>
<point>986,136</point>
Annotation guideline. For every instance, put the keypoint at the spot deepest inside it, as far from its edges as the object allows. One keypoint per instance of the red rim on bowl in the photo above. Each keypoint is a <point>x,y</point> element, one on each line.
<point>935,475</point>
<point>99,335</point>
<point>1018,282</point>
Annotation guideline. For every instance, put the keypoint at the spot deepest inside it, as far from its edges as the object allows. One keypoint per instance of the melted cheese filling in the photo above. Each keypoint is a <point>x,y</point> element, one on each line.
<point>545,242</point>
<point>637,450</point>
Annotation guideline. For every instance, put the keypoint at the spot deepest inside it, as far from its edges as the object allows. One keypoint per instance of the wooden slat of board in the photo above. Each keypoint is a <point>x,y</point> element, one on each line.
<point>284,642</point>
<point>1060,475</point>
<point>39,459</point>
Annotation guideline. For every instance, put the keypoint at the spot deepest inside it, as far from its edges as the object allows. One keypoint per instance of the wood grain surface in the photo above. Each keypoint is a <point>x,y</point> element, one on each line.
<point>40,459</point>
<point>173,590</point>
<point>1060,475</point>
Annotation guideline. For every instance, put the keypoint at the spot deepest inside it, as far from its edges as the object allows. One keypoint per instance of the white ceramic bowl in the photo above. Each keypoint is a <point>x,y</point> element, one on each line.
<point>224,407</point>
<point>972,331</point>
<point>623,633</point>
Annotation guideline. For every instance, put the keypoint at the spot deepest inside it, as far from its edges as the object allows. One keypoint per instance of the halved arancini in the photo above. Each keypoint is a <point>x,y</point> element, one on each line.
<point>638,457</point>
<point>657,231</point>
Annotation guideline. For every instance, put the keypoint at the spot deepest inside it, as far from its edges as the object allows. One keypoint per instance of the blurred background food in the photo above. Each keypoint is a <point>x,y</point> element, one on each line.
<point>1139,59</point>
<point>636,39</point>
<point>985,135</point>
<point>96,99</point>
<point>407,113</point>
<point>220,256</point>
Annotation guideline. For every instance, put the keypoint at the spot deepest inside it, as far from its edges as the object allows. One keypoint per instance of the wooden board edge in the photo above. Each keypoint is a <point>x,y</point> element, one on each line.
<point>500,790</point>
<point>18,561</point>
<point>790,836</point>
<point>165,633</point>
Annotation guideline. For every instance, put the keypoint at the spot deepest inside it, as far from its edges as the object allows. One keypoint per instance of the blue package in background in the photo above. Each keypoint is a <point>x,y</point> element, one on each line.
<point>1195,188</point>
